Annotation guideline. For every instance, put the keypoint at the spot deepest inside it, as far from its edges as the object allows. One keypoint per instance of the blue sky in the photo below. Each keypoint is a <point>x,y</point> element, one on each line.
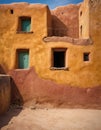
<point>52,3</point>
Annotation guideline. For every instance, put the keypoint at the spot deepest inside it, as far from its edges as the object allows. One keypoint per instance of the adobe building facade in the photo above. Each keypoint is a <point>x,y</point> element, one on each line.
<point>52,56</point>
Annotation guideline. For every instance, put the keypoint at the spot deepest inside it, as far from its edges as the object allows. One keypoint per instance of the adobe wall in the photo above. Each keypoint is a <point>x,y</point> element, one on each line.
<point>90,21</point>
<point>95,33</point>
<point>84,20</point>
<point>40,50</point>
<point>43,83</point>
<point>11,39</point>
<point>40,91</point>
<point>95,23</point>
<point>65,21</point>
<point>5,93</point>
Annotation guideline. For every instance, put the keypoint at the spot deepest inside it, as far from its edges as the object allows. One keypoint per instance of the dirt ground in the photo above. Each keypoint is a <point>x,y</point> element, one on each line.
<point>51,119</point>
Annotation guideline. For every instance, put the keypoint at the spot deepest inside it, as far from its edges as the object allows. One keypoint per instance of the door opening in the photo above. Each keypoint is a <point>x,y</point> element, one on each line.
<point>23,59</point>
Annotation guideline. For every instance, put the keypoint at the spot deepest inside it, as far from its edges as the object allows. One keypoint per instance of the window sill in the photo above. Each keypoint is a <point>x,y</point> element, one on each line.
<point>22,69</point>
<point>22,32</point>
<point>61,68</point>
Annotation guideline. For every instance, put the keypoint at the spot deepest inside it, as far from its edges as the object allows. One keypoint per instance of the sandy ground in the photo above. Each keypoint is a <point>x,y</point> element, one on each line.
<point>51,119</point>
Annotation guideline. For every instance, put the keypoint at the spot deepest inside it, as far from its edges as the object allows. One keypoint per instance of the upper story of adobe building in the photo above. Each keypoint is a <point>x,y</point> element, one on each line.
<point>22,18</point>
<point>75,21</point>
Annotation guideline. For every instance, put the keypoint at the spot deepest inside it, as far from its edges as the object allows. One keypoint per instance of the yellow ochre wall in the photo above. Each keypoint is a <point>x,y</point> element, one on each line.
<point>84,19</point>
<point>10,40</point>
<point>79,73</point>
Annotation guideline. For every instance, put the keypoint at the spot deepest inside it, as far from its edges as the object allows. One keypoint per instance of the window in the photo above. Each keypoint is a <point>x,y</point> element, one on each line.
<point>59,58</point>
<point>11,11</point>
<point>80,13</point>
<point>86,56</point>
<point>81,30</point>
<point>24,24</point>
<point>23,58</point>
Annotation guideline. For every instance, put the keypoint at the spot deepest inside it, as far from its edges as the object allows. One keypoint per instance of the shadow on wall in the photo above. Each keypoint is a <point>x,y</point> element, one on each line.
<point>16,98</point>
<point>58,27</point>
<point>15,109</point>
<point>15,94</point>
<point>2,71</point>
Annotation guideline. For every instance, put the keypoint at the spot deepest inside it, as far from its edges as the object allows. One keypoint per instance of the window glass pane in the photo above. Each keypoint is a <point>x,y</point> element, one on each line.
<point>25,25</point>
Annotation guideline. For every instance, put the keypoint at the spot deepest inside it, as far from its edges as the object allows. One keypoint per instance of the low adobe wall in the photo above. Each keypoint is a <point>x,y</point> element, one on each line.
<point>5,93</point>
<point>28,86</point>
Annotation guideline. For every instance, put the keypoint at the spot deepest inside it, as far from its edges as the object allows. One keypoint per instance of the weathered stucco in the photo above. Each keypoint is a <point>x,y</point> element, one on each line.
<point>10,39</point>
<point>28,86</point>
<point>79,73</point>
<point>84,20</point>
<point>5,93</point>
<point>74,41</point>
<point>65,21</point>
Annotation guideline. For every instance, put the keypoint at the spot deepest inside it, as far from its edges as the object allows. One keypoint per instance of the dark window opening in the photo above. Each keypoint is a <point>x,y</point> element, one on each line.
<point>11,11</point>
<point>81,13</point>
<point>24,24</point>
<point>81,30</point>
<point>59,58</point>
<point>86,56</point>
